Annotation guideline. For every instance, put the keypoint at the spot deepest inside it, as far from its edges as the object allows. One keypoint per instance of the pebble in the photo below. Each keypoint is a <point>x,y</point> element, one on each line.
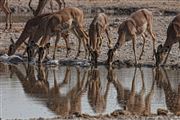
<point>14,59</point>
<point>161,111</point>
<point>52,62</point>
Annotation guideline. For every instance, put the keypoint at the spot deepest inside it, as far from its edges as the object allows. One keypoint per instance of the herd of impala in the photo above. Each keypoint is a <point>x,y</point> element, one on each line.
<point>44,26</point>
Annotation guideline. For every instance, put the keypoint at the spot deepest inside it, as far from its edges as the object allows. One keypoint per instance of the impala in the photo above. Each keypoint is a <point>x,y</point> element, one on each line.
<point>137,24</point>
<point>48,25</point>
<point>97,27</point>
<point>173,36</point>
<point>5,8</point>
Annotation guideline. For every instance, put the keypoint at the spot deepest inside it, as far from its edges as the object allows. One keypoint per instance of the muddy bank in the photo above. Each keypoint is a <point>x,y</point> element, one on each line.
<point>118,117</point>
<point>19,59</point>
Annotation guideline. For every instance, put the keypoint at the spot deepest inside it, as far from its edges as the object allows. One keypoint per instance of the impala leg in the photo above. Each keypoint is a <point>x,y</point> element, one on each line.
<point>31,38</point>
<point>43,42</point>
<point>56,42</point>
<point>79,39</point>
<point>85,47</point>
<point>83,37</point>
<point>134,48</point>
<point>142,51</point>
<point>9,19</point>
<point>167,56</point>
<point>153,38</point>
<point>99,42</point>
<point>7,15</point>
<point>65,37</point>
<point>109,40</point>
<point>85,40</point>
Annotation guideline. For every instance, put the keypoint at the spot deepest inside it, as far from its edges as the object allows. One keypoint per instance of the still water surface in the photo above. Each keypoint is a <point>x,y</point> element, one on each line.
<point>28,91</point>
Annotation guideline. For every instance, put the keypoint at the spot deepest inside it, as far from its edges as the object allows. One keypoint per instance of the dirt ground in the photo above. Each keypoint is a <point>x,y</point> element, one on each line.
<point>163,11</point>
<point>118,10</point>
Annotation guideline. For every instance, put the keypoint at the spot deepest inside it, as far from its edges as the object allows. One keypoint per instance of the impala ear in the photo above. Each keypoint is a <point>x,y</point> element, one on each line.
<point>12,41</point>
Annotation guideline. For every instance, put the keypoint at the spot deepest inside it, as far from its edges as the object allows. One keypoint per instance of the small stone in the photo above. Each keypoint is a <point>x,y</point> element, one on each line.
<point>120,112</point>
<point>161,111</point>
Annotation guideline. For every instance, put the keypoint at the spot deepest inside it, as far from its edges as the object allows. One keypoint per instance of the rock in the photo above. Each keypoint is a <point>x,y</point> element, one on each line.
<point>3,58</point>
<point>15,59</point>
<point>128,63</point>
<point>161,111</point>
<point>120,112</point>
<point>82,63</point>
<point>52,62</point>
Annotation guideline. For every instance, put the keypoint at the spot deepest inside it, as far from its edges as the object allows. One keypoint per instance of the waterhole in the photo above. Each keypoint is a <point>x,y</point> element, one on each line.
<point>28,91</point>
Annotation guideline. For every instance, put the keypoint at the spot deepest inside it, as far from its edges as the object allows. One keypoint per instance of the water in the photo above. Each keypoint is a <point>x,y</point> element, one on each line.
<point>32,92</point>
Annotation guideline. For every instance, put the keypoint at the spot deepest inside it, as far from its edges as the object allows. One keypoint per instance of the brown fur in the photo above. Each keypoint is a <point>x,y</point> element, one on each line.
<point>97,27</point>
<point>137,24</point>
<point>42,4</point>
<point>46,25</point>
<point>173,36</point>
<point>72,19</point>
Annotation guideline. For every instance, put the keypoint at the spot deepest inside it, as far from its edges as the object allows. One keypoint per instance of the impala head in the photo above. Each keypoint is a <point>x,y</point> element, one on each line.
<point>159,55</point>
<point>12,48</point>
<point>123,32</point>
<point>31,48</point>
<point>43,52</point>
<point>94,54</point>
